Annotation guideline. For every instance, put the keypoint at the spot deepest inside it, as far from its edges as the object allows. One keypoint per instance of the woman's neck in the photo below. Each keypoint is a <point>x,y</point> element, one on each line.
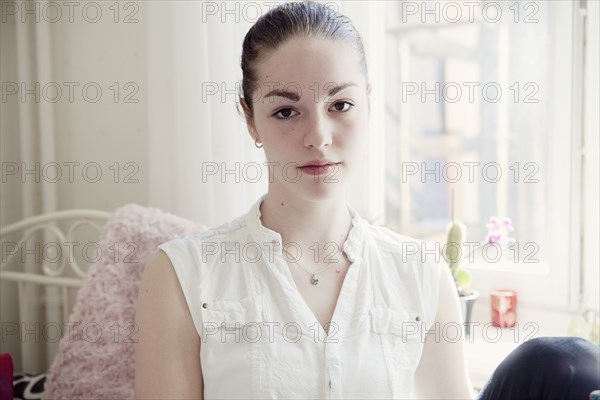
<point>305,222</point>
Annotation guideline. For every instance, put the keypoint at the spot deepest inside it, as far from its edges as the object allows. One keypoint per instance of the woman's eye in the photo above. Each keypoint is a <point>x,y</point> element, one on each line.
<point>284,113</point>
<point>342,106</point>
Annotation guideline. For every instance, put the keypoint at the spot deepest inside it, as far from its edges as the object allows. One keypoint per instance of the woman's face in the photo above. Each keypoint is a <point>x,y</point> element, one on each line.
<point>312,103</point>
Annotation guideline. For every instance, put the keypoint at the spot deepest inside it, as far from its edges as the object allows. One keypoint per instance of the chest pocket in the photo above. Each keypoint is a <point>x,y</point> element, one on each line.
<point>227,318</point>
<point>401,333</point>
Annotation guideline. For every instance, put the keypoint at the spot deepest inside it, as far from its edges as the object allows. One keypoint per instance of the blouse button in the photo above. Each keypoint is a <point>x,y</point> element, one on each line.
<point>204,305</point>
<point>417,318</point>
<point>329,384</point>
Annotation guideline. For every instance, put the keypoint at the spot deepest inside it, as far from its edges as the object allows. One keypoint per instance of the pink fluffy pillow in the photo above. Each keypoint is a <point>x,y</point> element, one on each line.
<point>96,360</point>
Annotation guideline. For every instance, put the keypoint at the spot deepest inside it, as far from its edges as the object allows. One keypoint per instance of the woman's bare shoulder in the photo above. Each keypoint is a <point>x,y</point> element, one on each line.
<point>167,342</point>
<point>160,288</point>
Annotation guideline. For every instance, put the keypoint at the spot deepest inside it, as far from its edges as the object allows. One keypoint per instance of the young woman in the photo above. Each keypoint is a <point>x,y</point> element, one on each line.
<point>300,297</point>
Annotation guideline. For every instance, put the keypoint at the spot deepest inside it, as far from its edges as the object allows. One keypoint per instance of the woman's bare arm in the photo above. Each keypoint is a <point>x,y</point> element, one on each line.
<point>442,372</point>
<point>167,361</point>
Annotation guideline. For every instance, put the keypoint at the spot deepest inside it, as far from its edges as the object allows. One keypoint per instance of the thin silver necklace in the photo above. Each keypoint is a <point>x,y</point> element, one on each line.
<point>313,279</point>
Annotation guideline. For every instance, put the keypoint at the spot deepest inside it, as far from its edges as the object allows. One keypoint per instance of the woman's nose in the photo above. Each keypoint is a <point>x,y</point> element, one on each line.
<point>319,131</point>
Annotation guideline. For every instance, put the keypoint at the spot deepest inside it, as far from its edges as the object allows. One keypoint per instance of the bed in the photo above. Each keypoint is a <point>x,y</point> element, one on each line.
<point>54,272</point>
<point>65,270</point>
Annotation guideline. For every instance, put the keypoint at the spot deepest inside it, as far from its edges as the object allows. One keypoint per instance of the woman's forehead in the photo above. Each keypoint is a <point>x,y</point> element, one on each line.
<point>316,64</point>
<point>299,53</point>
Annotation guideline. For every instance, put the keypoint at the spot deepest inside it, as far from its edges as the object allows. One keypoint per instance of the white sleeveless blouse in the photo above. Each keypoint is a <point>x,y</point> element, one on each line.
<point>259,338</point>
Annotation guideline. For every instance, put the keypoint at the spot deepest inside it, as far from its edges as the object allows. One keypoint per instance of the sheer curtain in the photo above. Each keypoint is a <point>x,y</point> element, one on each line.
<point>27,137</point>
<point>195,132</point>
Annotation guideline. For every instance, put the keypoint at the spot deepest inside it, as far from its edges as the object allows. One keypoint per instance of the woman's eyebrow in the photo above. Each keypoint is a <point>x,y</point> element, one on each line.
<point>293,96</point>
<point>338,88</point>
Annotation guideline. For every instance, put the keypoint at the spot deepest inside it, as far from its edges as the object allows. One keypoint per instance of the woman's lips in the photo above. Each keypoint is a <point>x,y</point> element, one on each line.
<point>319,169</point>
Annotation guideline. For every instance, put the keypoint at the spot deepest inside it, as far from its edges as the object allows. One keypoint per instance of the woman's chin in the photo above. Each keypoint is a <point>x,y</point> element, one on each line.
<point>319,190</point>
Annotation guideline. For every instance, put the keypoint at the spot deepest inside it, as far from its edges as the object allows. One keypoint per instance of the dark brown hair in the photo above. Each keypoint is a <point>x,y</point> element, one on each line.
<point>289,20</point>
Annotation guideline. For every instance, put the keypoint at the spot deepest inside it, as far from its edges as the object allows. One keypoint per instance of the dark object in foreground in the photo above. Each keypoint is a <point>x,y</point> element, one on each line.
<point>547,368</point>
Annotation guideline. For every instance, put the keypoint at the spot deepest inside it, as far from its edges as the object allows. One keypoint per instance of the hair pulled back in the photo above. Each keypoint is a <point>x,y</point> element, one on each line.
<point>289,20</point>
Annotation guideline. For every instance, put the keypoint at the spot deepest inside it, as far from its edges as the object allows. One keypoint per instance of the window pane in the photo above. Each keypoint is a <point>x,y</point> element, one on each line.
<point>469,113</point>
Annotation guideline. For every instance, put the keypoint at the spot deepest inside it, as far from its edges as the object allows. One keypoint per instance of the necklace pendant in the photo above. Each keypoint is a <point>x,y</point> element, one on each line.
<point>314,280</point>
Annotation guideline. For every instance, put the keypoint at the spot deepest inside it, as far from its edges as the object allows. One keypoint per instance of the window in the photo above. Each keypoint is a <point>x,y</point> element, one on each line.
<point>480,107</point>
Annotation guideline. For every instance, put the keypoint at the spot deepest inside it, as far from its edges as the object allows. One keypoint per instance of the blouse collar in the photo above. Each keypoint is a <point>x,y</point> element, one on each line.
<point>267,238</point>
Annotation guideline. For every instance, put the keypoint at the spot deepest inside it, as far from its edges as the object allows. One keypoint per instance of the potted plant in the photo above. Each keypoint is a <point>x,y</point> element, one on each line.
<point>456,235</point>
<point>498,235</point>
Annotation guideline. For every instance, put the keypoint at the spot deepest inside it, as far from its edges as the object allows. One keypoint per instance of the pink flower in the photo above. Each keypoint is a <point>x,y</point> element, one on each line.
<point>498,229</point>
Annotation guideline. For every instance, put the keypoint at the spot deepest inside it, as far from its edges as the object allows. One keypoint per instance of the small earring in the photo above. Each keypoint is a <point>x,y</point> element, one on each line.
<point>256,144</point>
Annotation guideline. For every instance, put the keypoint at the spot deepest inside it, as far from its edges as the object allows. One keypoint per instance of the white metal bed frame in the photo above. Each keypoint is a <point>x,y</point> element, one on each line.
<point>47,224</point>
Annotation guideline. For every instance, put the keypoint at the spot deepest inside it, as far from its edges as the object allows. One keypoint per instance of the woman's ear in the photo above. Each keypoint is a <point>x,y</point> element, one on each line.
<point>249,119</point>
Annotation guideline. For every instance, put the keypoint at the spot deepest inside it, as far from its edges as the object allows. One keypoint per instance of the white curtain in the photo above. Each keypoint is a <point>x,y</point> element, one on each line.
<point>193,73</point>
<point>27,139</point>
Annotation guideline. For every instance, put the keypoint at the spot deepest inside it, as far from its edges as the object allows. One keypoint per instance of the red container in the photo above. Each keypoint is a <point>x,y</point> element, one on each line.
<point>6,377</point>
<point>504,308</point>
